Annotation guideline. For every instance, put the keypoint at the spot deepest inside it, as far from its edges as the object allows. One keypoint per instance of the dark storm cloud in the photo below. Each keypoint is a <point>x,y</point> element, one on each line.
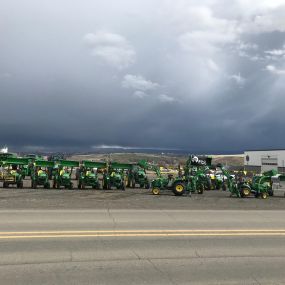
<point>205,77</point>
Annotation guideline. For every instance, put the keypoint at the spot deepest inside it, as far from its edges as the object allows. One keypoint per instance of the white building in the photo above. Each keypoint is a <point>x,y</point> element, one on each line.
<point>263,160</point>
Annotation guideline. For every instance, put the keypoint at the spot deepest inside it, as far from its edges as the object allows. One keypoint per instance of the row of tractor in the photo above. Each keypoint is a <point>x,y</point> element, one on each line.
<point>197,175</point>
<point>13,170</point>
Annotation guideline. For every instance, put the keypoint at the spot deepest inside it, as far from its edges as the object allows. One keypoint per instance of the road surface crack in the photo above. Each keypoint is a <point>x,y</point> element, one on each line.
<point>113,219</point>
<point>161,272</point>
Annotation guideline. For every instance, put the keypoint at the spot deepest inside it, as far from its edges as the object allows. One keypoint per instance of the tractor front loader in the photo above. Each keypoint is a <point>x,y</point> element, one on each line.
<point>88,176</point>
<point>63,172</point>
<point>160,182</point>
<point>12,171</point>
<point>40,173</point>
<point>261,184</point>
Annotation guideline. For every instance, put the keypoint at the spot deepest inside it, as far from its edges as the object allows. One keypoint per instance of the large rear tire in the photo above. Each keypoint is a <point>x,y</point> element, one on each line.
<point>245,192</point>
<point>179,188</point>
<point>263,195</point>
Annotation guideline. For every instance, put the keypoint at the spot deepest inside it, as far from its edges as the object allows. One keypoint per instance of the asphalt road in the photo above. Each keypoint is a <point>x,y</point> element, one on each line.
<point>111,246</point>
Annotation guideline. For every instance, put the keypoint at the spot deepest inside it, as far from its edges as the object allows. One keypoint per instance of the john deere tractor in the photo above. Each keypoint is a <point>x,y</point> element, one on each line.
<point>243,189</point>
<point>63,172</point>
<point>137,176</point>
<point>88,176</point>
<point>160,182</point>
<point>194,178</point>
<point>40,173</point>
<point>114,175</point>
<point>263,183</point>
<point>11,171</point>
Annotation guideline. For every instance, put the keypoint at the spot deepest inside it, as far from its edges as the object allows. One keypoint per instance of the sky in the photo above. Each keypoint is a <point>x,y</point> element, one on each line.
<point>205,76</point>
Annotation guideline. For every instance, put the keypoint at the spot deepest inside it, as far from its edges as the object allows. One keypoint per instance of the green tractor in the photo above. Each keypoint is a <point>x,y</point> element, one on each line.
<point>63,172</point>
<point>244,189</point>
<point>114,175</point>
<point>137,175</point>
<point>87,176</point>
<point>193,180</point>
<point>12,171</point>
<point>40,173</point>
<point>160,182</point>
<point>263,183</point>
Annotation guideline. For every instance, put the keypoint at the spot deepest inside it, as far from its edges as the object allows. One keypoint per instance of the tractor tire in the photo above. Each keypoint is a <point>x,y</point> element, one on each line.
<point>5,185</point>
<point>200,189</point>
<point>20,184</point>
<point>47,185</point>
<point>179,189</point>
<point>209,184</point>
<point>155,191</point>
<point>147,185</point>
<point>245,192</point>
<point>263,195</point>
<point>34,185</point>
<point>270,192</point>
<point>79,186</point>
<point>95,187</point>
<point>83,186</point>
<point>123,187</point>
<point>70,186</point>
<point>224,187</point>
<point>133,184</point>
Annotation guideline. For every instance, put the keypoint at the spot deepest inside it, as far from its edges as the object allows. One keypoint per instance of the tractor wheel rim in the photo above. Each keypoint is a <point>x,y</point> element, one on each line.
<point>246,192</point>
<point>155,191</point>
<point>179,188</point>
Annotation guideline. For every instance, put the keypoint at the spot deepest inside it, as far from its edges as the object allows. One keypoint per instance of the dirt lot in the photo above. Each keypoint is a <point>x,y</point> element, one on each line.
<point>130,199</point>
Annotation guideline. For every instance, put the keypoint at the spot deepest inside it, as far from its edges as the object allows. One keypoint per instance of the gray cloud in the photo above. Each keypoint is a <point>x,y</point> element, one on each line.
<point>204,76</point>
